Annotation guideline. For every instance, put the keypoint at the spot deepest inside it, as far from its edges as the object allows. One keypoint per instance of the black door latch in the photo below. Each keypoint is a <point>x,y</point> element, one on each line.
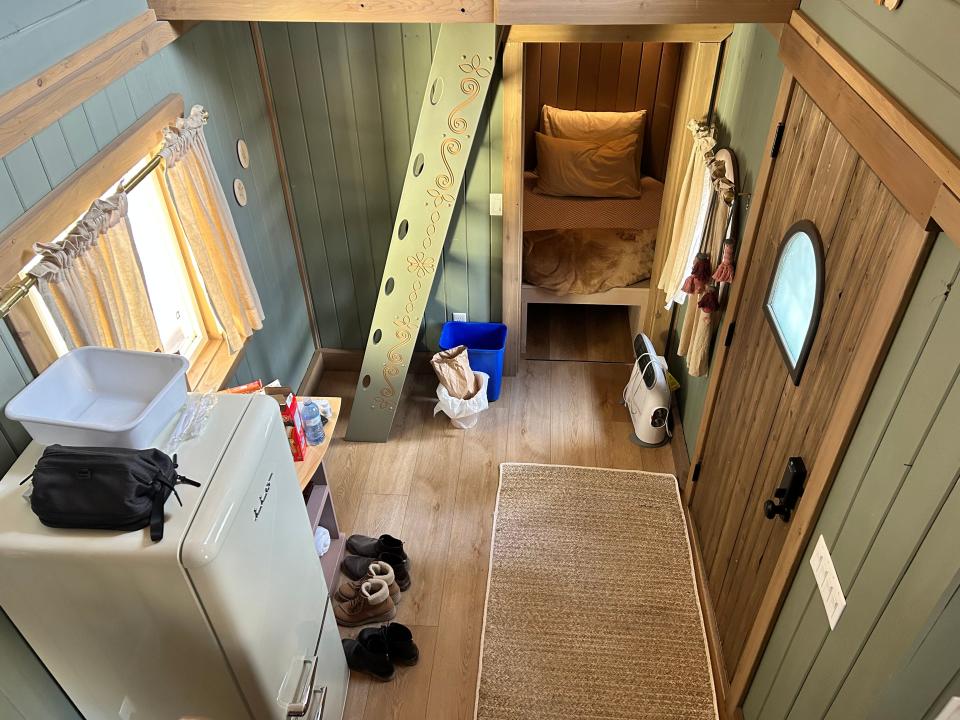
<point>791,488</point>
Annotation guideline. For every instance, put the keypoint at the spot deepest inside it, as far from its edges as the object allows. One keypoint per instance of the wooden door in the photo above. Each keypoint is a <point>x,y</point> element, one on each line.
<point>761,418</point>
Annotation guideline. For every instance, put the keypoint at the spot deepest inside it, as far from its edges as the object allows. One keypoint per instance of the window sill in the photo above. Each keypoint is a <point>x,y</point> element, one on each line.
<point>212,366</point>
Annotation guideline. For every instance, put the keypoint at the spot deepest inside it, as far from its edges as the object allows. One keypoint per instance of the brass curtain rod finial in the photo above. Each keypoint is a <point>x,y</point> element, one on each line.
<point>13,293</point>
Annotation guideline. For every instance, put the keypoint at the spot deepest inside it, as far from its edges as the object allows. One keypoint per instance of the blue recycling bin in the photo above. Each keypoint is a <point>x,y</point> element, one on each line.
<point>485,343</point>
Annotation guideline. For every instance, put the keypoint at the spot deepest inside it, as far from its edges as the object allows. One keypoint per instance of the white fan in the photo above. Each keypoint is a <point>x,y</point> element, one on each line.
<point>647,396</point>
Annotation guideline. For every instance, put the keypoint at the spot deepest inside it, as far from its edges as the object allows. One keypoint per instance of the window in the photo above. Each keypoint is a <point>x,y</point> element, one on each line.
<point>796,294</point>
<point>187,326</point>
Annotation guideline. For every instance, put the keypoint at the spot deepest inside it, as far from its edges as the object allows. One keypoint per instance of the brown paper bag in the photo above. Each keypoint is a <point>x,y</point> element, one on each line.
<point>454,373</point>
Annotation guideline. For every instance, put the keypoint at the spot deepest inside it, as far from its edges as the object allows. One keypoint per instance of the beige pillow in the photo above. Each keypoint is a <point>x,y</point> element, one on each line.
<point>583,125</point>
<point>599,126</point>
<point>587,168</point>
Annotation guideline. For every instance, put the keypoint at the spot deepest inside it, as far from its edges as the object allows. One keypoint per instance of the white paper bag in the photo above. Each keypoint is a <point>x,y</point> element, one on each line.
<point>463,414</point>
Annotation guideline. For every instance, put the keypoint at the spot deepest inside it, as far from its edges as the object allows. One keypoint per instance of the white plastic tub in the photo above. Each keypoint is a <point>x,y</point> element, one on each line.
<point>101,397</point>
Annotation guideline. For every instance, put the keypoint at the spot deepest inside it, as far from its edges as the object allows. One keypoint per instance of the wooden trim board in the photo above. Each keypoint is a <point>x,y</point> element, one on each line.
<point>699,32</point>
<point>367,11</point>
<point>72,197</point>
<point>631,12</point>
<point>630,295</point>
<point>946,213</point>
<point>906,175</point>
<point>512,200</point>
<point>931,150</point>
<point>25,111</point>
<point>285,181</point>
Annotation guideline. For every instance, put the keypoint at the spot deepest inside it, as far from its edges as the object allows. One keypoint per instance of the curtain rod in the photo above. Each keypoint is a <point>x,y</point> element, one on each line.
<point>13,293</point>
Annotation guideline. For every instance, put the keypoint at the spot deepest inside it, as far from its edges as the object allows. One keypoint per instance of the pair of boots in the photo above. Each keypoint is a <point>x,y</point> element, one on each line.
<point>376,651</point>
<point>378,572</point>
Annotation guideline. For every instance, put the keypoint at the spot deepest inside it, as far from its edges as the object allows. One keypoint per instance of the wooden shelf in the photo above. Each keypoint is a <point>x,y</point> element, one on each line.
<point>330,562</point>
<point>307,468</point>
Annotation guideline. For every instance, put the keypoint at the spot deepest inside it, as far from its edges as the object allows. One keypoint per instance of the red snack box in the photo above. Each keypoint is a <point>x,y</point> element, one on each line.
<point>293,422</point>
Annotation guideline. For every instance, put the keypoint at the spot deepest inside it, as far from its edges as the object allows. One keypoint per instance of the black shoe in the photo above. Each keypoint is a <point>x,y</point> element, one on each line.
<point>372,547</point>
<point>370,657</point>
<point>355,567</point>
<point>399,639</point>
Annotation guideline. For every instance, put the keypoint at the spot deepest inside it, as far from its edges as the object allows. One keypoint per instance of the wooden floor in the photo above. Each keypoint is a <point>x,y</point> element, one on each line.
<point>435,487</point>
<point>596,333</point>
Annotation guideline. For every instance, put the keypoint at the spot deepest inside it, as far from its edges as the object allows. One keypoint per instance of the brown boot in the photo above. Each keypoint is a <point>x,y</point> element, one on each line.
<point>372,604</point>
<point>377,569</point>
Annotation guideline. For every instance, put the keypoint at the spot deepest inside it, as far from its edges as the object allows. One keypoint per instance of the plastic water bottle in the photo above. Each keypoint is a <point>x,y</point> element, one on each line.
<point>312,423</point>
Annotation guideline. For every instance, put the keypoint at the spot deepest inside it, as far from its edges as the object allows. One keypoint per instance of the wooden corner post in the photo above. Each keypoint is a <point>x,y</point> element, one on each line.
<point>457,86</point>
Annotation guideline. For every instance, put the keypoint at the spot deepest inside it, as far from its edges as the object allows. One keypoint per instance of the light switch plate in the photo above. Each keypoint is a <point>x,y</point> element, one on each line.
<point>828,582</point>
<point>951,711</point>
<point>459,317</point>
<point>496,204</point>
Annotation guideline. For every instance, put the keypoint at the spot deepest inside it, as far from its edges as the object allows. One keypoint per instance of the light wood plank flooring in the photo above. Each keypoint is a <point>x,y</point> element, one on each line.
<point>435,487</point>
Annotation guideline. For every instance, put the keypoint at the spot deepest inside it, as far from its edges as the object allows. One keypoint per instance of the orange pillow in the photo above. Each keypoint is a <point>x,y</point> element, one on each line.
<point>587,168</point>
<point>597,126</point>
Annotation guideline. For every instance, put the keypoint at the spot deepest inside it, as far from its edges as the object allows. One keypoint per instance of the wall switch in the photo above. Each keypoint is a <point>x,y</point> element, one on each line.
<point>459,317</point>
<point>496,204</point>
<point>951,711</point>
<point>828,582</point>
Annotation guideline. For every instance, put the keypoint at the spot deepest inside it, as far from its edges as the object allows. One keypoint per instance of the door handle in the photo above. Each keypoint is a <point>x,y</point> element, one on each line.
<point>785,497</point>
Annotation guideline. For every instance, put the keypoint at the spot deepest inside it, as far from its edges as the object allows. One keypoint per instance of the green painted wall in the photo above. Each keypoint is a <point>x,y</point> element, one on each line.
<point>747,93</point>
<point>213,65</point>
<point>892,518</point>
<point>347,100</point>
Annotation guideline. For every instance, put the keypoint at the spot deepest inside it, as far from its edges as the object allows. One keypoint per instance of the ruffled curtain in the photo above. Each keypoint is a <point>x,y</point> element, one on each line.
<point>93,285</point>
<point>209,229</point>
<point>696,190</point>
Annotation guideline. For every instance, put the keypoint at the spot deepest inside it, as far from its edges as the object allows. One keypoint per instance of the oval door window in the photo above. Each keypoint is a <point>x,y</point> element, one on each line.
<point>795,295</point>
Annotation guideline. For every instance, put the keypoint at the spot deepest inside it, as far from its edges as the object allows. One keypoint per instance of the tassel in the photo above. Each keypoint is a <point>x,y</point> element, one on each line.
<point>709,302</point>
<point>699,276</point>
<point>724,271</point>
<point>690,285</point>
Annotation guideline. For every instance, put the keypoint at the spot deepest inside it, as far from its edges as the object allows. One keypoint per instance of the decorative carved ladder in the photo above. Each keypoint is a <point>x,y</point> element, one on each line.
<point>460,75</point>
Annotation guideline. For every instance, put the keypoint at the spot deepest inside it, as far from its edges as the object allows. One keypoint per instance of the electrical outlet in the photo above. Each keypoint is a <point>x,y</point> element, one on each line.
<point>496,204</point>
<point>951,711</point>
<point>827,582</point>
<point>459,317</point>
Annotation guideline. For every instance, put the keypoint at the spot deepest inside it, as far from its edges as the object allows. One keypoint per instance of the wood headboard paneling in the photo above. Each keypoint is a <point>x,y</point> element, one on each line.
<point>604,76</point>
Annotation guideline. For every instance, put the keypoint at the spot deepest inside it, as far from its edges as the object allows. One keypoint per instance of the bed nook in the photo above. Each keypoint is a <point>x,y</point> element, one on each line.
<point>603,142</point>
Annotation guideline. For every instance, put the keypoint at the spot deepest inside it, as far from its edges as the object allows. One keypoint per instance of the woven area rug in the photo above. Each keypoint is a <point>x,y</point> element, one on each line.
<point>592,610</point>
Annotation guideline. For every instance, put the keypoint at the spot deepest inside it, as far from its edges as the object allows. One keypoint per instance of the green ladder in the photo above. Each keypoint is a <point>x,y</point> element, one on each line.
<point>457,87</point>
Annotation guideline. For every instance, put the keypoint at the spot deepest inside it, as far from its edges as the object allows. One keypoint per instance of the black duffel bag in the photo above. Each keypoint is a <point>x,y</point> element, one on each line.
<point>104,488</point>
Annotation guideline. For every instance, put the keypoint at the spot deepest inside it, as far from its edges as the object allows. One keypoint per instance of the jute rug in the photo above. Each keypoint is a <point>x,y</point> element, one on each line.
<point>592,610</point>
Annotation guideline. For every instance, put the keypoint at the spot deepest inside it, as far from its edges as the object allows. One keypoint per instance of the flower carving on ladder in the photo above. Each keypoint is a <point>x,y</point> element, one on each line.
<point>423,264</point>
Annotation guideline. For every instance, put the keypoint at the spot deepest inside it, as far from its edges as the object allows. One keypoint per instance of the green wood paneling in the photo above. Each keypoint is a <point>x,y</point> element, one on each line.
<point>886,521</point>
<point>213,65</point>
<point>913,52</point>
<point>348,99</point>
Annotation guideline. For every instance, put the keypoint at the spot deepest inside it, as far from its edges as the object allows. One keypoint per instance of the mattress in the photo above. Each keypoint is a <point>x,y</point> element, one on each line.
<point>546,212</point>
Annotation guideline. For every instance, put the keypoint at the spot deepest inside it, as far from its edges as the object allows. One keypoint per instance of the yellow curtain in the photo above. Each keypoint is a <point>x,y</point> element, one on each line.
<point>695,192</point>
<point>208,226</point>
<point>93,285</point>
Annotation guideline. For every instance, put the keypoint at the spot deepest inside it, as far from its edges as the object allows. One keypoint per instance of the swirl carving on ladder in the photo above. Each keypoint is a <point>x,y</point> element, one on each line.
<point>421,265</point>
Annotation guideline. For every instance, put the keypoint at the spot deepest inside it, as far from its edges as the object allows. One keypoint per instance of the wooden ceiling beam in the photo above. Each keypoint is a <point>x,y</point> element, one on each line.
<point>684,33</point>
<point>642,12</point>
<point>362,11</point>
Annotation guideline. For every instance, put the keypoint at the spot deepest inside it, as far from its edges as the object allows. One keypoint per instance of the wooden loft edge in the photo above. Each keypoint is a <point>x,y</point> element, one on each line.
<point>924,143</point>
<point>410,11</point>
<point>25,111</point>
<point>71,198</point>
<point>632,12</point>
<point>685,33</point>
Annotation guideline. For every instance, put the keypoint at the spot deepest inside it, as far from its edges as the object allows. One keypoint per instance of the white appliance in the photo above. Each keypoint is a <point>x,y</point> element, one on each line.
<point>647,396</point>
<point>226,618</point>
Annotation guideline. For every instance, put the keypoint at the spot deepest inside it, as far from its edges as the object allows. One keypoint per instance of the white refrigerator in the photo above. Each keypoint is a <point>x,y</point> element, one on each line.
<point>226,618</point>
